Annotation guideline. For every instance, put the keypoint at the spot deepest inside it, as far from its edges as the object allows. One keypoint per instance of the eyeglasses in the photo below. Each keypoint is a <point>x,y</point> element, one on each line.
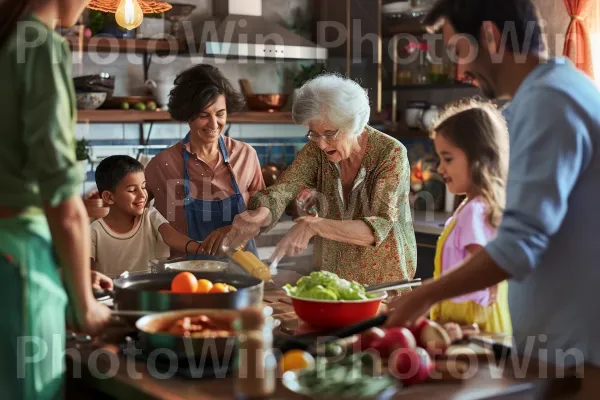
<point>328,137</point>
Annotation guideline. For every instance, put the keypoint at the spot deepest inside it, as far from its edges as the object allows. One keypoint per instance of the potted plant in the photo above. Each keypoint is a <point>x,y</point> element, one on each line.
<point>300,76</point>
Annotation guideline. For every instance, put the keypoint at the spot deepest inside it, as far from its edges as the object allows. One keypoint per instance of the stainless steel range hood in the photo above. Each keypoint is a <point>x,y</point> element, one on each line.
<point>241,31</point>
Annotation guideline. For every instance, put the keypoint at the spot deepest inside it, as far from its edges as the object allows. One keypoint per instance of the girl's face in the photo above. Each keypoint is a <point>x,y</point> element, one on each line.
<point>454,165</point>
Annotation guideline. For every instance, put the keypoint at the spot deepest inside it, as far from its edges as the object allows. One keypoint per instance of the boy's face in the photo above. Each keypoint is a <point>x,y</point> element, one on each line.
<point>130,195</point>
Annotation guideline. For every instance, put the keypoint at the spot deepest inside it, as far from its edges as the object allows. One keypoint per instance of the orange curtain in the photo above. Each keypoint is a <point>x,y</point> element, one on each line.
<point>577,43</point>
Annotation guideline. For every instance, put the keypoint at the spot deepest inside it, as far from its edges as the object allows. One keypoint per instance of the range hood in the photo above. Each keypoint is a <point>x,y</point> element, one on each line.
<point>241,31</point>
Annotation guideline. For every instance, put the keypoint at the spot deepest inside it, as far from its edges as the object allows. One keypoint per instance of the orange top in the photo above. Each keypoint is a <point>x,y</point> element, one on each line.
<point>164,178</point>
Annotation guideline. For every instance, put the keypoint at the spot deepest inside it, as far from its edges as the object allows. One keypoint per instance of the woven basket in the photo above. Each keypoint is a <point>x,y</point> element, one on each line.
<point>147,6</point>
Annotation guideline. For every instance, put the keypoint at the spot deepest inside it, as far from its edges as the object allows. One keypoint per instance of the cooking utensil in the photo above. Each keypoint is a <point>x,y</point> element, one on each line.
<point>197,265</point>
<point>336,313</point>
<point>267,101</point>
<point>141,292</point>
<point>246,87</point>
<point>206,349</point>
<point>393,285</point>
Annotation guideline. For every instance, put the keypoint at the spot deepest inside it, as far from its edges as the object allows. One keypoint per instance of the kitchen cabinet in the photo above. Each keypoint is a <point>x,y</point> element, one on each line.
<point>361,23</point>
<point>425,254</point>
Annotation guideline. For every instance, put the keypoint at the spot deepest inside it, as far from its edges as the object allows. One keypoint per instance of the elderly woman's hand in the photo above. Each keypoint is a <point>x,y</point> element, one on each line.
<point>296,240</point>
<point>246,226</point>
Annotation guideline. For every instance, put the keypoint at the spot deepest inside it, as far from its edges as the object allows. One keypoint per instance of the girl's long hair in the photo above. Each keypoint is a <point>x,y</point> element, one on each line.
<point>11,11</point>
<point>479,129</point>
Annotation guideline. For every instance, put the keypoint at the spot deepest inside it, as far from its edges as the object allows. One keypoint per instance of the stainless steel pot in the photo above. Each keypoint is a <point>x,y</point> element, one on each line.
<point>142,293</point>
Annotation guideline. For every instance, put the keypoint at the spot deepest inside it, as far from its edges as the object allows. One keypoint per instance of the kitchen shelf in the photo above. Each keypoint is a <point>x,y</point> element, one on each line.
<point>432,86</point>
<point>404,28</point>
<point>118,45</point>
<point>135,116</point>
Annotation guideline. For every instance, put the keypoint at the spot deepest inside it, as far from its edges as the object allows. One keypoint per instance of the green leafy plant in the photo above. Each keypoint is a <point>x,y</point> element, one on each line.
<point>82,150</point>
<point>306,73</point>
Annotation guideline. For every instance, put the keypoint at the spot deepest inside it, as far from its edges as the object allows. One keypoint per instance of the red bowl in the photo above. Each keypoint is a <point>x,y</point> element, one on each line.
<point>336,313</point>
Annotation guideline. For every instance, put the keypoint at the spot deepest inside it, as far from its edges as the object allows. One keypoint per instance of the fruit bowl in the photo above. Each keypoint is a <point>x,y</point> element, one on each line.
<point>336,313</point>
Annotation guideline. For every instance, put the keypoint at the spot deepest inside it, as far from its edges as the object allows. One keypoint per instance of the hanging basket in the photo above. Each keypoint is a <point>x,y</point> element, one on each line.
<point>147,6</point>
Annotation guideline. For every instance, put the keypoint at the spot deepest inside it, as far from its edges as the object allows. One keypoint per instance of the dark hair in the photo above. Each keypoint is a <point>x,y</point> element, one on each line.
<point>113,169</point>
<point>479,129</point>
<point>11,12</point>
<point>468,16</point>
<point>197,88</point>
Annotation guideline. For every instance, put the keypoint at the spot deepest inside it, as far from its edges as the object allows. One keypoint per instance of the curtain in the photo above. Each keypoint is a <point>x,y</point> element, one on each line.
<point>577,43</point>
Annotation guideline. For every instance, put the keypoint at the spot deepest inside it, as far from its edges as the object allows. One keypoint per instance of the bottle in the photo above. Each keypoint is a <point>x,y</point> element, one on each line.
<point>256,366</point>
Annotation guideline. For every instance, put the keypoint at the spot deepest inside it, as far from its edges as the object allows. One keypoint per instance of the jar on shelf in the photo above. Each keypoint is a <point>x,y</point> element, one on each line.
<point>422,62</point>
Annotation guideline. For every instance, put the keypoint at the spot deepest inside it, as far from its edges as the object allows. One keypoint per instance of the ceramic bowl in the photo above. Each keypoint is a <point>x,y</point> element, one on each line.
<point>90,101</point>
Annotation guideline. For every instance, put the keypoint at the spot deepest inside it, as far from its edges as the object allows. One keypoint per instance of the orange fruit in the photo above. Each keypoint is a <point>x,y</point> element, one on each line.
<point>184,282</point>
<point>204,286</point>
<point>220,288</point>
<point>295,360</point>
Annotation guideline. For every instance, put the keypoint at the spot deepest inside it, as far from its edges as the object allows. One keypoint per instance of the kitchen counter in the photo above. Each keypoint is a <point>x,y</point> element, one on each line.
<point>98,369</point>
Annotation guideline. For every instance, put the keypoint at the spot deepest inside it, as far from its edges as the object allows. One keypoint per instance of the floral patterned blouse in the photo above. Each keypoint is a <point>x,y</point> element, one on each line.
<point>379,197</point>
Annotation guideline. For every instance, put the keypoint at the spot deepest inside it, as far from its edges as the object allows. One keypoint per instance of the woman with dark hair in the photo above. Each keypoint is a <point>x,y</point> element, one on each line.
<point>42,216</point>
<point>205,180</point>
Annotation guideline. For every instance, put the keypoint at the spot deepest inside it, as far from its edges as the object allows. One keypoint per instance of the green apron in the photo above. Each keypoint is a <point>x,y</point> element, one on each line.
<point>33,301</point>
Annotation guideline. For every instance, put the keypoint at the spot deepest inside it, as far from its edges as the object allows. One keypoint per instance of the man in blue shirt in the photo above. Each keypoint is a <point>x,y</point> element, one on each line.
<point>548,244</point>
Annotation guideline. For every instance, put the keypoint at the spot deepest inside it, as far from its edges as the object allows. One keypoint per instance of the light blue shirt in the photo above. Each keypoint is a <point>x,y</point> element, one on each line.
<point>548,239</point>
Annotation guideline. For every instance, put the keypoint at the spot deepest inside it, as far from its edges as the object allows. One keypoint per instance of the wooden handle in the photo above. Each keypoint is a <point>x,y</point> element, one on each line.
<point>246,88</point>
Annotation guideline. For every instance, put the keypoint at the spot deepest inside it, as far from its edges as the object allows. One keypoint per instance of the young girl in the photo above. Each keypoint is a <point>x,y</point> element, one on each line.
<point>471,140</point>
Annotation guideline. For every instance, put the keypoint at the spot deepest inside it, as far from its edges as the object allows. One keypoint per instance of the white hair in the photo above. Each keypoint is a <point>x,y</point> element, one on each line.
<point>335,99</point>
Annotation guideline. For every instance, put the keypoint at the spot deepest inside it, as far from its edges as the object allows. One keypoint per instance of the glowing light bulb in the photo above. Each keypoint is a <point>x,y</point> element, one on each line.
<point>129,15</point>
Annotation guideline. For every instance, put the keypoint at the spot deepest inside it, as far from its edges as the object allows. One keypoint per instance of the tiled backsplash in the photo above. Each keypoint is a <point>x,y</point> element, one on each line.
<point>273,143</point>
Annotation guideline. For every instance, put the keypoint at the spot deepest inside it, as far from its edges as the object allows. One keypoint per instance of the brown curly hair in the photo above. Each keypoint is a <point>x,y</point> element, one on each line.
<point>478,128</point>
<point>197,88</point>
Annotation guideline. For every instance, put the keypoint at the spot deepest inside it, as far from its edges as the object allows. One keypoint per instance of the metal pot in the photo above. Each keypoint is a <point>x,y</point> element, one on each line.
<point>151,338</point>
<point>142,293</point>
<point>267,102</point>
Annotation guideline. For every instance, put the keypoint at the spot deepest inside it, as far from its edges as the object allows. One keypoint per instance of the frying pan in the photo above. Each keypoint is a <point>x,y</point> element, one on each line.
<point>217,349</point>
<point>141,293</point>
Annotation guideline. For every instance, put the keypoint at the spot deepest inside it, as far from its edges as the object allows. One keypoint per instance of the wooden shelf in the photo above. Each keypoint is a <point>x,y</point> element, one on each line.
<point>433,86</point>
<point>135,116</point>
<point>116,45</point>
<point>405,28</point>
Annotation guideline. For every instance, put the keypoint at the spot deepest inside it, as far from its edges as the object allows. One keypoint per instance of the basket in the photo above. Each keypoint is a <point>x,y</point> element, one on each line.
<point>147,6</point>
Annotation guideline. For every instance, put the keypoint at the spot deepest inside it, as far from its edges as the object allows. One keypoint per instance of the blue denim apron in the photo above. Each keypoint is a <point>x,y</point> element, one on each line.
<point>204,216</point>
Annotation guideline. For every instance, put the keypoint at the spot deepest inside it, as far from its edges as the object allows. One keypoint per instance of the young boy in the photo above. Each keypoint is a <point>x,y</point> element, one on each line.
<point>131,234</point>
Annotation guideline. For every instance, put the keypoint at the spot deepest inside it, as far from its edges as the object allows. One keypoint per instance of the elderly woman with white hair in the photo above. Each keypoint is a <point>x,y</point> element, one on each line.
<point>363,229</point>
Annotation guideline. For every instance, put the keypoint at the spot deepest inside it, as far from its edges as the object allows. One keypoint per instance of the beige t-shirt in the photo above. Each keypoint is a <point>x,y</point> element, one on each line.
<point>115,253</point>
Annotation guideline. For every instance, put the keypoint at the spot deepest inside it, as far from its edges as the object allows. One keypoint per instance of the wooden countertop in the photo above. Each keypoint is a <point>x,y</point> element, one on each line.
<point>102,371</point>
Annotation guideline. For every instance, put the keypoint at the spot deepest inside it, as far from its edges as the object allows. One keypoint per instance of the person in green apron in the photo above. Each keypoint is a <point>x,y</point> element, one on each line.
<point>43,223</point>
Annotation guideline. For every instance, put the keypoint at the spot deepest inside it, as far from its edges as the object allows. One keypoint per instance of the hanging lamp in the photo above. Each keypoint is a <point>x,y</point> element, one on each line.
<point>130,13</point>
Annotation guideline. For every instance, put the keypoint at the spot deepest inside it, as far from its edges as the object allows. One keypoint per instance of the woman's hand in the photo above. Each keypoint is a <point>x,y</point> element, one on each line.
<point>101,281</point>
<point>246,226</point>
<point>212,243</point>
<point>296,240</point>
